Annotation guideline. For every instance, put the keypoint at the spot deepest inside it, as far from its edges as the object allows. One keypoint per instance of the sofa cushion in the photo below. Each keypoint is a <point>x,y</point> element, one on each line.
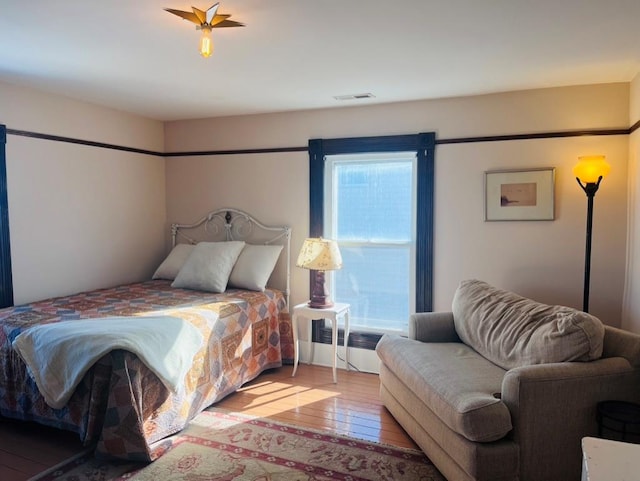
<point>453,381</point>
<point>514,331</point>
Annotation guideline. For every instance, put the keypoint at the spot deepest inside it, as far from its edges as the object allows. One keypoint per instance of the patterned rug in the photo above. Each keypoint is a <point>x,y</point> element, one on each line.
<point>219,445</point>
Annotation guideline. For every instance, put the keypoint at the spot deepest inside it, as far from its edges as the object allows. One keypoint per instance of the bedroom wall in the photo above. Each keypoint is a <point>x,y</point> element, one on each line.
<point>631,314</point>
<point>543,260</point>
<point>80,217</point>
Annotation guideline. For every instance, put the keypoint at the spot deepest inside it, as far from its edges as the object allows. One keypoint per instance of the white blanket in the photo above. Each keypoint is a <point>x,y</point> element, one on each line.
<point>59,354</point>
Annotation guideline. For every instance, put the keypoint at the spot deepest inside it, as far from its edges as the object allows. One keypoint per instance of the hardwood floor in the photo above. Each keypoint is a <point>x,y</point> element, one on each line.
<point>311,399</point>
<point>27,449</point>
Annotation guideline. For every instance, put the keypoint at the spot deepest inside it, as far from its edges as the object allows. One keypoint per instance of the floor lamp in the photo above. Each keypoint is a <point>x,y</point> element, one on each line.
<point>589,172</point>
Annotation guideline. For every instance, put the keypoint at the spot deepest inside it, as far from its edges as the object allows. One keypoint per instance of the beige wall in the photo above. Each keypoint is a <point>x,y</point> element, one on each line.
<point>80,217</point>
<point>631,317</point>
<point>84,217</point>
<point>544,260</point>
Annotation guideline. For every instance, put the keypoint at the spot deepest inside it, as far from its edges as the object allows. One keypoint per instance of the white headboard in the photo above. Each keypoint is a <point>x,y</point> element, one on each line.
<point>233,224</point>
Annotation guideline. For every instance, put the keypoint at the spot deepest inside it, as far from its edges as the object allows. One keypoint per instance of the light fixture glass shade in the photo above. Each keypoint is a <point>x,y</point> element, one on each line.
<point>590,168</point>
<point>206,43</point>
<point>319,254</point>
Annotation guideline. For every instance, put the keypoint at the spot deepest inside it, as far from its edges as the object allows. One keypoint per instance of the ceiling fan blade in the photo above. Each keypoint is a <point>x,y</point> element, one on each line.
<point>228,23</point>
<point>212,13</point>
<point>185,15</point>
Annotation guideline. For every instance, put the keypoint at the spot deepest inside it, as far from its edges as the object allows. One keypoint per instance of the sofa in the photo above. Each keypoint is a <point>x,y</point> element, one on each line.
<point>503,387</point>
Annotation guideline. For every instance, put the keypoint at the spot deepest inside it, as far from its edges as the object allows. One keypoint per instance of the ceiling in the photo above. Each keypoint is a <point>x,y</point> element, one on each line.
<point>298,54</point>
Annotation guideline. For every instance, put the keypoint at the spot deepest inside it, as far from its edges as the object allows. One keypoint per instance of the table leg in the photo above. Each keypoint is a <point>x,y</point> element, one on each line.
<point>310,337</point>
<point>334,345</point>
<point>346,339</point>
<point>296,344</point>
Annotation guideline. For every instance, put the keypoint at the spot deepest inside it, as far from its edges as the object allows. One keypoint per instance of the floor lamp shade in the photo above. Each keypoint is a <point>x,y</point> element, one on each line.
<point>590,168</point>
<point>589,172</point>
<point>319,255</point>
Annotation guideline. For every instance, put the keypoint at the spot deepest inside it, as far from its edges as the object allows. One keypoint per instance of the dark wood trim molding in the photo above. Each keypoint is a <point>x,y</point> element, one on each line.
<point>268,150</point>
<point>424,145</point>
<point>90,143</point>
<point>316,189</point>
<point>102,145</point>
<point>424,222</point>
<point>540,135</point>
<point>6,279</point>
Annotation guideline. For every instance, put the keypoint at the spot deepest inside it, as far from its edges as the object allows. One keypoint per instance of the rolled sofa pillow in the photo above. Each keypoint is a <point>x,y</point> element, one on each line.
<point>513,331</point>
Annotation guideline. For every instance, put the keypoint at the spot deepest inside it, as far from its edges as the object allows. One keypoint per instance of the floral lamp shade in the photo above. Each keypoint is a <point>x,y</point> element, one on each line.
<point>319,254</point>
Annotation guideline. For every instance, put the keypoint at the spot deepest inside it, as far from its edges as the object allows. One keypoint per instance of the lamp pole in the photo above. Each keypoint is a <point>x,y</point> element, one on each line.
<point>590,188</point>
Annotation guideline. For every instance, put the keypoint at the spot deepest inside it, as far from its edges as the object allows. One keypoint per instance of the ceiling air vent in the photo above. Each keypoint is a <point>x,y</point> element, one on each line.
<point>355,96</point>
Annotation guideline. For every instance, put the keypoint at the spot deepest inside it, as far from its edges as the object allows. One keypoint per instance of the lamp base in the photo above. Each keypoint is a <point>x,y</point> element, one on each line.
<point>314,304</point>
<point>320,295</point>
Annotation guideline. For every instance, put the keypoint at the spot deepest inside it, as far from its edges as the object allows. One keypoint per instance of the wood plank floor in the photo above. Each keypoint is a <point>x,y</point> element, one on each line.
<point>311,399</point>
<point>27,449</point>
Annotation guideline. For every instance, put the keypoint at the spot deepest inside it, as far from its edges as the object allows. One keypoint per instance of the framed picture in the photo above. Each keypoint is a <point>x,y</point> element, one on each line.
<point>519,194</point>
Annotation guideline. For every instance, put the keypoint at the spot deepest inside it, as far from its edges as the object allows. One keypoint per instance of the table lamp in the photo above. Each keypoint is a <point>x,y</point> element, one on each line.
<point>319,255</point>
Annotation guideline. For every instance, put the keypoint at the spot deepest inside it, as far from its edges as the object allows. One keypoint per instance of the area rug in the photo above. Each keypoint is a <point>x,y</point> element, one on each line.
<point>220,445</point>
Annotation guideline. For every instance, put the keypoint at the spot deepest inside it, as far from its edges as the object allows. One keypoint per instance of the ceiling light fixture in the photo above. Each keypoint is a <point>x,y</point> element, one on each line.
<point>206,20</point>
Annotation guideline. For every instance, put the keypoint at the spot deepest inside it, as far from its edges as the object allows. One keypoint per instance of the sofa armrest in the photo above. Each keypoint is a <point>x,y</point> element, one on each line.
<point>619,343</point>
<point>432,327</point>
<point>553,406</point>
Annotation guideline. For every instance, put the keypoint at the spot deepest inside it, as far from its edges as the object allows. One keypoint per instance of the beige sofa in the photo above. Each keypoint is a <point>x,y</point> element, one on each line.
<point>504,388</point>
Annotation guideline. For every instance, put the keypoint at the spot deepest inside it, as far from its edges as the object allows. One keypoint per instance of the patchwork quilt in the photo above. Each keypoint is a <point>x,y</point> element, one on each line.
<point>121,405</point>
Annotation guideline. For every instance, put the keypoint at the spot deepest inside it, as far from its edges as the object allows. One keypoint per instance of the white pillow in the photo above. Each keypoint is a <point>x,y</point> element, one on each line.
<point>174,261</point>
<point>254,266</point>
<point>209,265</point>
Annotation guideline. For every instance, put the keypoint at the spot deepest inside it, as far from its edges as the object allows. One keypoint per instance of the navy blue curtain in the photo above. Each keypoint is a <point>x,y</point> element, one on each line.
<point>6,281</point>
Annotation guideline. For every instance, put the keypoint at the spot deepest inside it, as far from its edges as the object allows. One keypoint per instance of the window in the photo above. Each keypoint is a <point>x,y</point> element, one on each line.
<point>336,156</point>
<point>369,207</point>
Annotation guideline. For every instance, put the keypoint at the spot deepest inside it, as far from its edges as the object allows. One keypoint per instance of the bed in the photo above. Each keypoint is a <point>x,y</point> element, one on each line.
<point>120,404</point>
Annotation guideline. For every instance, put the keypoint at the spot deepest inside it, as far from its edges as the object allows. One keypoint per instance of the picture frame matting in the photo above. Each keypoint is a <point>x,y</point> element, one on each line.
<point>520,195</point>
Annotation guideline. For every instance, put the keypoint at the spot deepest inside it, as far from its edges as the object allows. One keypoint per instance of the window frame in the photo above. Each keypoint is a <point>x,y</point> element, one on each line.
<point>424,146</point>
